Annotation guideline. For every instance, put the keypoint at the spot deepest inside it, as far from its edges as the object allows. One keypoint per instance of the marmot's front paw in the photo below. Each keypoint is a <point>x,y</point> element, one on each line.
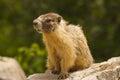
<point>63,75</point>
<point>55,72</point>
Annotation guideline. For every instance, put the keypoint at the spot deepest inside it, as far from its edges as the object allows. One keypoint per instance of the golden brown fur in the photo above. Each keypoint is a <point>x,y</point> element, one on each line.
<point>67,47</point>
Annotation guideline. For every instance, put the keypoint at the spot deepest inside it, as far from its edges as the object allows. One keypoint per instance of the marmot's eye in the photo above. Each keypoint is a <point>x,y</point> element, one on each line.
<point>48,20</point>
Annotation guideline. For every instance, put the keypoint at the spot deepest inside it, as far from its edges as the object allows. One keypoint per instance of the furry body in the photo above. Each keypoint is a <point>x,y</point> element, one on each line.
<point>67,47</point>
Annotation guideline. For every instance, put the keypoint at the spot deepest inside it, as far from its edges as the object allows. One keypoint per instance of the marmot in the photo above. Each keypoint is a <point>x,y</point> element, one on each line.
<point>66,44</point>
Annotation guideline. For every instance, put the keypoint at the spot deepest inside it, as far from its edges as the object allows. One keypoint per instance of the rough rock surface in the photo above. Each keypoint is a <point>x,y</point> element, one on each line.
<point>107,70</point>
<point>10,69</point>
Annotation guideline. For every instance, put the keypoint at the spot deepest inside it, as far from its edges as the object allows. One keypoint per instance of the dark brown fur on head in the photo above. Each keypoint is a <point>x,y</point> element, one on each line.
<point>47,22</point>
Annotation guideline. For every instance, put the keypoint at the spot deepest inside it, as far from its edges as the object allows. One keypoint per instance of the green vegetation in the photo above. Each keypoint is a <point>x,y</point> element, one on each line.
<point>100,20</point>
<point>31,57</point>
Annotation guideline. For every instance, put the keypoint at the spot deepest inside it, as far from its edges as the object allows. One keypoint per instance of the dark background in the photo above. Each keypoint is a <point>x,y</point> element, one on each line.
<point>100,20</point>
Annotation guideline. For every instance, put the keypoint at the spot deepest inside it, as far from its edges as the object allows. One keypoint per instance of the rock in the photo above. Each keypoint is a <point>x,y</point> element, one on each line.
<point>107,70</point>
<point>10,69</point>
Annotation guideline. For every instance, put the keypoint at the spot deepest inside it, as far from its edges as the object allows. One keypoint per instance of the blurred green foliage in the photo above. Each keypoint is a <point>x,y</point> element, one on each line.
<point>36,57</point>
<point>100,20</point>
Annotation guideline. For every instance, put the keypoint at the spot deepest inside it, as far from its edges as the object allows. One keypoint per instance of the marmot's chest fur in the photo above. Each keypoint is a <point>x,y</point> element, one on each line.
<point>66,44</point>
<point>57,41</point>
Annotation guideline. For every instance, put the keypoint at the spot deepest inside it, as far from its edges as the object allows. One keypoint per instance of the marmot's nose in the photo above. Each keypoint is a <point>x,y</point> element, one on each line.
<point>35,22</point>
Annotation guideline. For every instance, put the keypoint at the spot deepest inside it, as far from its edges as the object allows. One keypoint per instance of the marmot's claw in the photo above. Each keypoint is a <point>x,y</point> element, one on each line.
<point>63,76</point>
<point>56,72</point>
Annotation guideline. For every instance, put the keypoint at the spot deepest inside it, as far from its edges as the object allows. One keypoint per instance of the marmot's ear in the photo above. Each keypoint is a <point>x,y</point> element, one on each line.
<point>59,19</point>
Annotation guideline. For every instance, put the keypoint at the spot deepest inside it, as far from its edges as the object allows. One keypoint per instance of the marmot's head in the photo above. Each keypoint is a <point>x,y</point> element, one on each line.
<point>47,22</point>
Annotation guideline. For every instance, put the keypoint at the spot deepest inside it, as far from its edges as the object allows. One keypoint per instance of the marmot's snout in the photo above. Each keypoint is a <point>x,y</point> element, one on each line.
<point>35,22</point>
<point>37,25</point>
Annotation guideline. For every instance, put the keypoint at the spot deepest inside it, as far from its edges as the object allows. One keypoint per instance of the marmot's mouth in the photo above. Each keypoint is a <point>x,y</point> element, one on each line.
<point>37,29</point>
